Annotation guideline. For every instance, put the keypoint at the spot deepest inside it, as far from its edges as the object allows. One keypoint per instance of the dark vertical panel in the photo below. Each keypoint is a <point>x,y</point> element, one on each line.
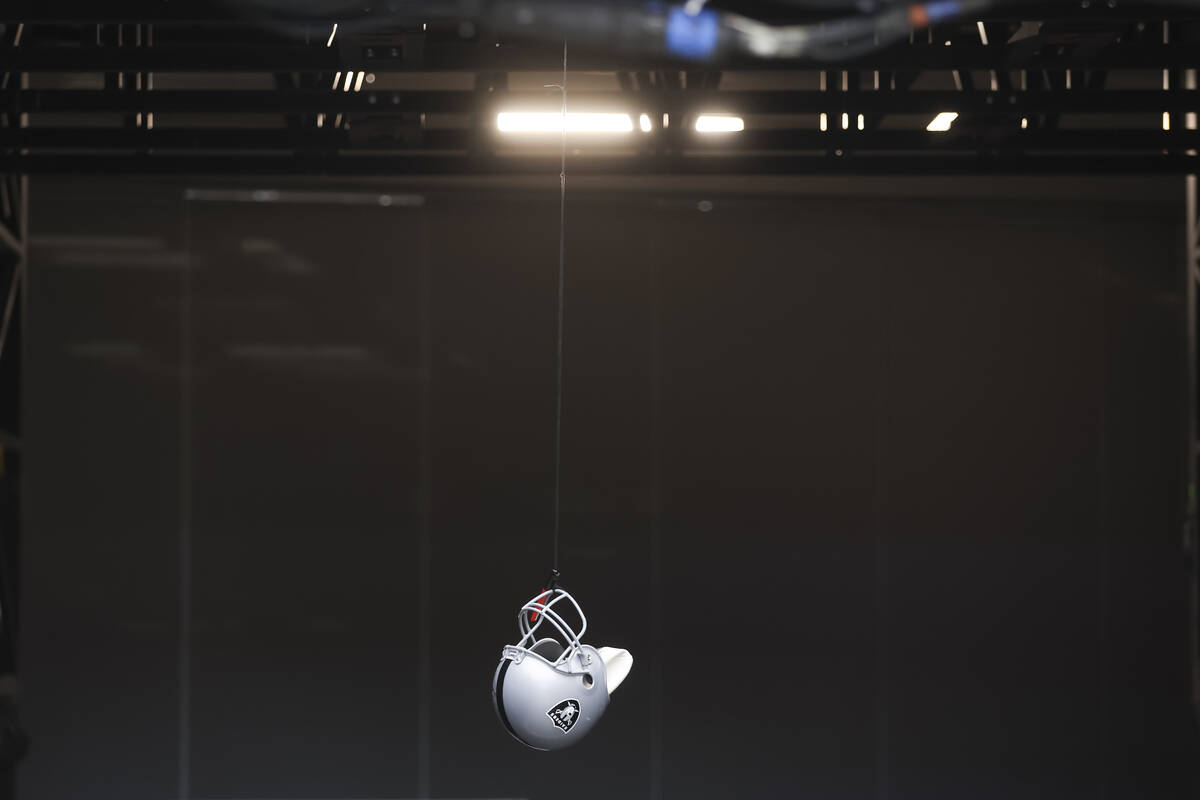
<point>654,663</point>
<point>100,494</point>
<point>1151,735</point>
<point>768,394</point>
<point>424,726</point>
<point>306,373</point>
<point>993,484</point>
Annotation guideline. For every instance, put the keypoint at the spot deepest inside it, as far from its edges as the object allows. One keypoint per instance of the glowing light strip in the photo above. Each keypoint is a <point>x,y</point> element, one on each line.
<point>719,123</point>
<point>552,122</point>
<point>942,121</point>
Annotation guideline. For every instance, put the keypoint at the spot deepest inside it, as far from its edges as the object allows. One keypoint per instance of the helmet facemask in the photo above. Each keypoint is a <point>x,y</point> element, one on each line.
<point>545,614</point>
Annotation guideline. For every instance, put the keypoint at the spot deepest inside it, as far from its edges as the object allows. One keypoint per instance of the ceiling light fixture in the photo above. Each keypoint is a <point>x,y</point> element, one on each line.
<point>552,122</point>
<point>719,123</point>
<point>983,37</point>
<point>942,121</point>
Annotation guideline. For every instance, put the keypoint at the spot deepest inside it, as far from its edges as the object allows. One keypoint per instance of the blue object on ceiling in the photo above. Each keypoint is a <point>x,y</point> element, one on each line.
<point>692,36</point>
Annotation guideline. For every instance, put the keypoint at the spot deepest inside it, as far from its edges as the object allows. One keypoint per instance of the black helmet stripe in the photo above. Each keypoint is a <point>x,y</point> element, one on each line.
<point>500,700</point>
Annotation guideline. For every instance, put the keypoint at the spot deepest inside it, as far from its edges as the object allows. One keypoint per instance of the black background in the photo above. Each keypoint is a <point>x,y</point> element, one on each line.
<point>879,481</point>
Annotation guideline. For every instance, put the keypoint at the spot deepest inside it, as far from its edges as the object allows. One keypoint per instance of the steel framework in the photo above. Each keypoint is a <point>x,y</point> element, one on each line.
<point>1085,87</point>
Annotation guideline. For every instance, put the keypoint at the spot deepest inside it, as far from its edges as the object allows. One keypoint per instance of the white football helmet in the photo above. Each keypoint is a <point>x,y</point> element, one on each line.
<point>550,692</point>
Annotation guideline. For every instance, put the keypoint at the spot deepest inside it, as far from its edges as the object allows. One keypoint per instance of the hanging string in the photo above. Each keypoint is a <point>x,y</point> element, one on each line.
<point>558,363</point>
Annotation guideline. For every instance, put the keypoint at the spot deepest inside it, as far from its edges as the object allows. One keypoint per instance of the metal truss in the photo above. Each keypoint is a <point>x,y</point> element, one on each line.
<point>1084,88</point>
<point>1191,529</point>
<point>13,241</point>
<point>14,237</point>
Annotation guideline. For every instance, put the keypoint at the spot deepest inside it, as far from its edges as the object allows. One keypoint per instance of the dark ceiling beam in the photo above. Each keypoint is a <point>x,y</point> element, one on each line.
<point>325,139</point>
<point>470,57</point>
<point>675,102</point>
<point>237,11</point>
<point>243,10</point>
<point>384,132</point>
<point>908,164</point>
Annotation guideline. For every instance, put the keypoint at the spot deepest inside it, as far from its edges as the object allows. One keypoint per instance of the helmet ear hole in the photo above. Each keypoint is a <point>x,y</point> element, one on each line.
<point>588,680</point>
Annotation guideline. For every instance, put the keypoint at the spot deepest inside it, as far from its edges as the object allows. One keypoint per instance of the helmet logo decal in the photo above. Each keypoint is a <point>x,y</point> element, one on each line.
<point>565,715</point>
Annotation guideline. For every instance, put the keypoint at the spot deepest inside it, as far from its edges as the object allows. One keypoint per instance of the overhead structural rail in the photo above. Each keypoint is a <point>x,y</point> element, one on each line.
<point>148,88</point>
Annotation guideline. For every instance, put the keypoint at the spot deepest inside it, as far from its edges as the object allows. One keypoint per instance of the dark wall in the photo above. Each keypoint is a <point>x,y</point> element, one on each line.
<point>882,492</point>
